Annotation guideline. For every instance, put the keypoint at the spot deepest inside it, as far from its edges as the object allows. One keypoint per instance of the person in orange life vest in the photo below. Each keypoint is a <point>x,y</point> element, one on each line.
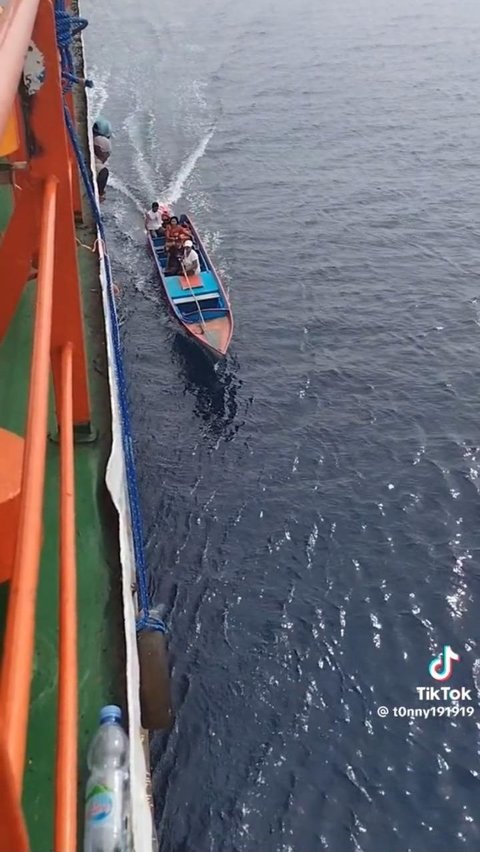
<point>176,234</point>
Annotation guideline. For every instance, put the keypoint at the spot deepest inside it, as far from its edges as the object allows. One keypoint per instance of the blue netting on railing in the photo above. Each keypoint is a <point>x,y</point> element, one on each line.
<point>67,26</point>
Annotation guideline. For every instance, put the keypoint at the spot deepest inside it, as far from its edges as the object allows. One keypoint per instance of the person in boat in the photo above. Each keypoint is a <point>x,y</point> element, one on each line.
<point>165,217</point>
<point>102,148</point>
<point>176,234</point>
<point>153,221</point>
<point>190,261</point>
<point>165,221</point>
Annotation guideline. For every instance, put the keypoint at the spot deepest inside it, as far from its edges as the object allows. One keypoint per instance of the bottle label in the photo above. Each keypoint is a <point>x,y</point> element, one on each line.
<point>99,804</point>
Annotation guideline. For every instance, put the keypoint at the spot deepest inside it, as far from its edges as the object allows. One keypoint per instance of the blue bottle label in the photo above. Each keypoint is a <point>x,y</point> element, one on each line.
<point>99,804</point>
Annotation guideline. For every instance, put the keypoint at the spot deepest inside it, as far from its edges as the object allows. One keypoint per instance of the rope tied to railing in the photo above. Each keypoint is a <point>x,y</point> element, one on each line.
<point>146,620</point>
<point>67,27</point>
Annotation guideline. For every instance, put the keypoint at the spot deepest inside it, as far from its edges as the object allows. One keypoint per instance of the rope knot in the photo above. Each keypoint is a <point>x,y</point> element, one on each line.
<point>151,622</point>
<point>67,27</point>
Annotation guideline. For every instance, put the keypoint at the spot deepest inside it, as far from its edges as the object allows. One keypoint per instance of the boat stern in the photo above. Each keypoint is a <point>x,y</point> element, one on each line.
<point>214,334</point>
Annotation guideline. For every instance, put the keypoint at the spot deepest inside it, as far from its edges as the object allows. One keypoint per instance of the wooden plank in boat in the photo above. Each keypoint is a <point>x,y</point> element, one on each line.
<point>190,281</point>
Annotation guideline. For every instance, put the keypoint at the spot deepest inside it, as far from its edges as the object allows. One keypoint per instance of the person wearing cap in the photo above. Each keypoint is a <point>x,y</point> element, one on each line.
<point>190,261</point>
<point>102,148</point>
<point>153,221</point>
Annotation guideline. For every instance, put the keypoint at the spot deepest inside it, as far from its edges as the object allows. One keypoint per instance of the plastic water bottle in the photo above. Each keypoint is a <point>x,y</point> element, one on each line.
<point>107,795</point>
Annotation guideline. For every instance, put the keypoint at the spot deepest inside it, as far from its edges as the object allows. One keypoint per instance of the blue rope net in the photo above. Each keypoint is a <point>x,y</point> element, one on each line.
<point>67,27</point>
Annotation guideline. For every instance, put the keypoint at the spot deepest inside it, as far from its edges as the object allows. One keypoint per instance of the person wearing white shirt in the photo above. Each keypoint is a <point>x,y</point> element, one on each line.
<point>153,220</point>
<point>190,261</point>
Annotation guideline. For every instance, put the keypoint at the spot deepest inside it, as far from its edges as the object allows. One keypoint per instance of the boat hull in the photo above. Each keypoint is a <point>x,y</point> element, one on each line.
<point>200,303</point>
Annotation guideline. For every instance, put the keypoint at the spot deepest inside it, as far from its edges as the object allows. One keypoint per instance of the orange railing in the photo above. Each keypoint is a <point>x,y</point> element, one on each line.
<point>66,769</point>
<point>13,833</point>
<point>19,634</point>
<point>16,25</point>
<point>58,350</point>
<point>20,630</point>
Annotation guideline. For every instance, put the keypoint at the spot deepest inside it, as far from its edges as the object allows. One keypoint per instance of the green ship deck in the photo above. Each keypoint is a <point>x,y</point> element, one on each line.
<point>100,622</point>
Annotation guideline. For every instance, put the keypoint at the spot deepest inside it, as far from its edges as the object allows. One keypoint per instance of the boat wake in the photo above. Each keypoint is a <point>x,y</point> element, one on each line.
<point>115,182</point>
<point>98,95</point>
<point>128,205</point>
<point>175,189</point>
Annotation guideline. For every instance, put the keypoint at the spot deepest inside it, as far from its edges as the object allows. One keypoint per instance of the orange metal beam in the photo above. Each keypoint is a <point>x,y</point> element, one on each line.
<point>17,248</point>
<point>16,25</point>
<point>20,628</point>
<point>67,714</point>
<point>48,127</point>
<point>77,195</point>
<point>13,834</point>
<point>75,176</point>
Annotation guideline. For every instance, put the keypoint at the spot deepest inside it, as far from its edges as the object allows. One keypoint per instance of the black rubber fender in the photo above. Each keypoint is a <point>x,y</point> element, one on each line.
<point>155,695</point>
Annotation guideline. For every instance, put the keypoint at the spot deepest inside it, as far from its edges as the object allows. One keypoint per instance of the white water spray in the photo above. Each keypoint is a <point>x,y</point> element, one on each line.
<point>175,189</point>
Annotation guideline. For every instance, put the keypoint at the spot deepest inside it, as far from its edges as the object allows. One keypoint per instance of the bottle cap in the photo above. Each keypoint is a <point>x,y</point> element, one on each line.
<point>110,713</point>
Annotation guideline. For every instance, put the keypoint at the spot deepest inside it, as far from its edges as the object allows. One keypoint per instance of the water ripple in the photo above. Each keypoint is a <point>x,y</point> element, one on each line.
<point>312,506</point>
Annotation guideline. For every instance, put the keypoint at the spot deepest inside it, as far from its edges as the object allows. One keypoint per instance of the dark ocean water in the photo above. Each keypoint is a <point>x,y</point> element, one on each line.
<point>312,506</point>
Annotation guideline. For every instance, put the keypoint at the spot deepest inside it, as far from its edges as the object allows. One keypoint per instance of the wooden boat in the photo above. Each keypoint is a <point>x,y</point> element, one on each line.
<point>199,302</point>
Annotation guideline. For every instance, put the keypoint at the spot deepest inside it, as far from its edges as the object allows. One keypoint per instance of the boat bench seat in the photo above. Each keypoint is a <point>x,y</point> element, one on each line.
<point>208,297</point>
<point>208,287</point>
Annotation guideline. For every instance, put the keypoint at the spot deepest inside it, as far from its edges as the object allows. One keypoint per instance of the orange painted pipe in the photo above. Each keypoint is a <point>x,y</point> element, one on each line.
<point>16,25</point>
<point>13,833</point>
<point>67,713</point>
<point>20,628</point>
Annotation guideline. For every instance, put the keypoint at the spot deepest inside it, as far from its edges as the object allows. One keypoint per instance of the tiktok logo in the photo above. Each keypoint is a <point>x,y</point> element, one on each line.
<point>440,667</point>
